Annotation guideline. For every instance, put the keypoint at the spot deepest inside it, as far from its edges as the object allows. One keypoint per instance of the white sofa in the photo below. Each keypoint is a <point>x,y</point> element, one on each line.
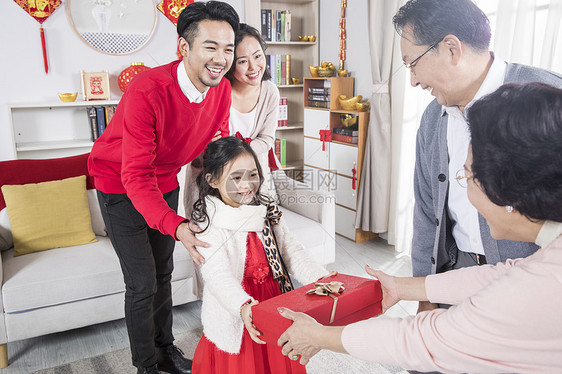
<point>310,215</point>
<point>66,288</point>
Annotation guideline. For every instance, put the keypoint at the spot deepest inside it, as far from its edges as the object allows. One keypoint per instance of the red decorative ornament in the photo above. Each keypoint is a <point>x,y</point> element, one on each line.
<point>173,8</point>
<point>40,10</point>
<point>129,73</point>
<point>325,136</point>
<point>343,35</point>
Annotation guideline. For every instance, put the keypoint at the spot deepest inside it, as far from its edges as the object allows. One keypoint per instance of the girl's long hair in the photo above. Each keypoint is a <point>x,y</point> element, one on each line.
<point>217,155</point>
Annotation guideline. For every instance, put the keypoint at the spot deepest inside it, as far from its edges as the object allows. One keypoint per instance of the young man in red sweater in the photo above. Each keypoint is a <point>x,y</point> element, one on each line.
<point>165,119</point>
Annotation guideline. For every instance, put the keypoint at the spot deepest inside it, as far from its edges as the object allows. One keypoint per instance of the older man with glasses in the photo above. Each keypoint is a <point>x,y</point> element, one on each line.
<point>445,44</point>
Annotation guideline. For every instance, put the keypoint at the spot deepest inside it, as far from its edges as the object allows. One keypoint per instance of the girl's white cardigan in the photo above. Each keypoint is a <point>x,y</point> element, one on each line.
<point>223,270</point>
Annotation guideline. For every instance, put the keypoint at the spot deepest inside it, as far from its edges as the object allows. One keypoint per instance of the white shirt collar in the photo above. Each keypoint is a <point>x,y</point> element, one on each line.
<point>549,231</point>
<point>187,86</point>
<point>494,79</point>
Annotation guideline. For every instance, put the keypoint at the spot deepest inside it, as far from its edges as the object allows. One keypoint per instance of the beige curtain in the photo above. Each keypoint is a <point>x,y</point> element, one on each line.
<point>529,32</point>
<point>376,211</point>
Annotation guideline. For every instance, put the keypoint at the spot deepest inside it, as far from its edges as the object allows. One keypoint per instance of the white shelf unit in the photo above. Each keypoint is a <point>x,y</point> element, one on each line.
<point>328,165</point>
<point>52,129</point>
<point>304,21</point>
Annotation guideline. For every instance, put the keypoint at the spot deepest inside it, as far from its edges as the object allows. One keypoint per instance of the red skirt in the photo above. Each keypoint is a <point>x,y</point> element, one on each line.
<point>253,358</point>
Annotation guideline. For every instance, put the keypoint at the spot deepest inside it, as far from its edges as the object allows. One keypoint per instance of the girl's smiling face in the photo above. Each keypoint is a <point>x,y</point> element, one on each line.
<point>239,181</point>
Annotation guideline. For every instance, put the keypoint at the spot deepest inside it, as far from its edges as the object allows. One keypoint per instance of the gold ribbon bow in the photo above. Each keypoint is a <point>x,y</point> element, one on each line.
<point>328,289</point>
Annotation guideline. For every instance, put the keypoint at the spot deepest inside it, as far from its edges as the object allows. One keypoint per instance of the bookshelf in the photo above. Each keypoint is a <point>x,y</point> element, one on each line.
<point>328,164</point>
<point>304,21</point>
<point>52,129</point>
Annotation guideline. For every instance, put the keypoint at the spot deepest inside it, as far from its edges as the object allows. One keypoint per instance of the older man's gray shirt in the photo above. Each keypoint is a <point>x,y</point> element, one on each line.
<point>433,247</point>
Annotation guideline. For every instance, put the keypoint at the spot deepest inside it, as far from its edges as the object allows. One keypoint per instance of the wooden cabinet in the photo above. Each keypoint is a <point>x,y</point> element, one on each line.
<point>57,129</point>
<point>304,21</point>
<point>332,165</point>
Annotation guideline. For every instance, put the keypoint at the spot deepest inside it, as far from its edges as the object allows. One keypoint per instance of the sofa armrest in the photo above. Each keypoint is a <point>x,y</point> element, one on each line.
<point>298,197</point>
<point>318,206</point>
<point>2,328</point>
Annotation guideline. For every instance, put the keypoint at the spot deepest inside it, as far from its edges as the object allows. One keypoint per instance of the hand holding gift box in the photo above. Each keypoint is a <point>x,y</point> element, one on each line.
<point>360,299</point>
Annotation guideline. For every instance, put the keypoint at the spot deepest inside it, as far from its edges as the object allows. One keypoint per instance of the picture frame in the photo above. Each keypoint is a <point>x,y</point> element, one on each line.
<point>95,85</point>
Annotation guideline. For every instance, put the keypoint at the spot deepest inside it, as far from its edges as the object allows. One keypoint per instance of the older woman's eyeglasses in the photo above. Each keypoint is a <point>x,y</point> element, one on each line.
<point>462,178</point>
<point>413,63</point>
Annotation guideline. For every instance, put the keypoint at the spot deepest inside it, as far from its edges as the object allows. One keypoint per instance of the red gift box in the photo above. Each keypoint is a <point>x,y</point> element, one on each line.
<point>360,300</point>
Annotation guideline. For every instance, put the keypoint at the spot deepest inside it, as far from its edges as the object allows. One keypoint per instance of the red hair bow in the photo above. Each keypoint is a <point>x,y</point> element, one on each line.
<point>239,136</point>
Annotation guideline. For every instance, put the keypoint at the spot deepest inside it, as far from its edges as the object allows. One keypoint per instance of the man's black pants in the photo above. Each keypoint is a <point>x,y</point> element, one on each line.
<point>146,258</point>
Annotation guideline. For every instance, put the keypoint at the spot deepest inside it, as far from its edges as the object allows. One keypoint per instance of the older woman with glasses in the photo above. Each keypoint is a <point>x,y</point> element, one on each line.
<point>505,317</point>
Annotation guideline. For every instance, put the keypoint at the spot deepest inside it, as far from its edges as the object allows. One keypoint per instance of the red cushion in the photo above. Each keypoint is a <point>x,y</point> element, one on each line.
<point>35,171</point>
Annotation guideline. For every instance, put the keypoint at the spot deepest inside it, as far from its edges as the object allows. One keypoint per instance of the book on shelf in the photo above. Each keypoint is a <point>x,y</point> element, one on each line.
<point>318,104</point>
<point>92,119</point>
<point>272,21</point>
<point>319,90</point>
<point>287,31</point>
<point>278,69</point>
<point>318,97</point>
<point>345,139</point>
<point>277,26</point>
<point>283,112</point>
<point>345,131</point>
<point>100,116</point>
<point>288,69</point>
<point>283,25</point>
<point>266,24</point>
<point>283,79</point>
<point>281,151</point>
<point>109,112</point>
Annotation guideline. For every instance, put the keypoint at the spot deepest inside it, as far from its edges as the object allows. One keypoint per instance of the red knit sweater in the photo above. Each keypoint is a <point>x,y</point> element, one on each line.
<point>154,132</point>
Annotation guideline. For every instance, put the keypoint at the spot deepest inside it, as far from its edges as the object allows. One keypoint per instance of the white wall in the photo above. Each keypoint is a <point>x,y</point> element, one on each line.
<point>23,78</point>
<point>358,59</point>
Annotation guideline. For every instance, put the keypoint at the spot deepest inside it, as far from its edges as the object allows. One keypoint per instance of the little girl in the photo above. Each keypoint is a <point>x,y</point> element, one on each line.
<point>249,259</point>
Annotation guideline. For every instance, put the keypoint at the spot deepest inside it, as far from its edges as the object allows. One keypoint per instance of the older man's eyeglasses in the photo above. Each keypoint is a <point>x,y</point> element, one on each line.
<point>462,178</point>
<point>413,63</point>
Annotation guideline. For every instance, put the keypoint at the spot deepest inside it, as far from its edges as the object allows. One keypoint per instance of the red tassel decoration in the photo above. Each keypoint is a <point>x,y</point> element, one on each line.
<point>325,136</point>
<point>40,11</point>
<point>354,172</point>
<point>44,50</point>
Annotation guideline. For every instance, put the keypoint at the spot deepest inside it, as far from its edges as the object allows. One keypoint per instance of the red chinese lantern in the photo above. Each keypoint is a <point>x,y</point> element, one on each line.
<point>129,73</point>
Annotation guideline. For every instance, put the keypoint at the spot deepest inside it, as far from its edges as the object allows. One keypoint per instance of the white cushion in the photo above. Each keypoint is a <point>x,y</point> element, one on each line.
<point>60,275</point>
<point>69,274</point>
<point>6,240</point>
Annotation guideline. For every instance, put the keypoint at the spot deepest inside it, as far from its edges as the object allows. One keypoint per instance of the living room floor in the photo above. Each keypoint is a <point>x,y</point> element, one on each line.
<point>29,355</point>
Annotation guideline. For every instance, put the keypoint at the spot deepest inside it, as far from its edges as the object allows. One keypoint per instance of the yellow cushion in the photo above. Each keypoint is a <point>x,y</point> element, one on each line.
<point>49,214</point>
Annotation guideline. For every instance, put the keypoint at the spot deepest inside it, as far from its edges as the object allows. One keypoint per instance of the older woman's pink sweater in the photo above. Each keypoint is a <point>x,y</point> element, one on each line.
<point>505,318</point>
